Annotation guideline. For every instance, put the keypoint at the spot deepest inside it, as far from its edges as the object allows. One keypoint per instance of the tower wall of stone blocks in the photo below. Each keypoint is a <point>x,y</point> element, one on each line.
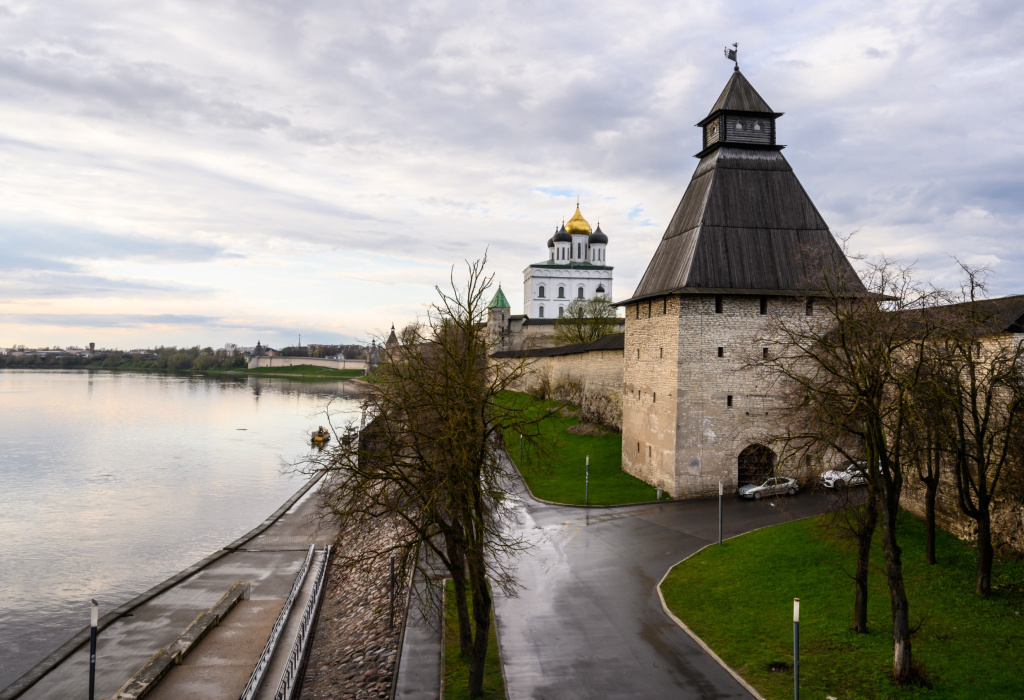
<point>694,396</point>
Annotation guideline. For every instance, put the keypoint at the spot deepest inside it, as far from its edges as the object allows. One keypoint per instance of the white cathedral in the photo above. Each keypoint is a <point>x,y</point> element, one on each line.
<point>576,268</point>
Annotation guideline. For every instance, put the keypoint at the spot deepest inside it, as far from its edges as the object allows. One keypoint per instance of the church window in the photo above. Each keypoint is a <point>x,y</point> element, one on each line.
<point>541,310</point>
<point>540,291</point>
<point>764,305</point>
<point>561,312</point>
<point>728,400</point>
<point>757,126</point>
<point>579,293</point>
<point>718,303</point>
<point>579,250</point>
<point>561,292</point>
<point>810,307</point>
<point>721,352</point>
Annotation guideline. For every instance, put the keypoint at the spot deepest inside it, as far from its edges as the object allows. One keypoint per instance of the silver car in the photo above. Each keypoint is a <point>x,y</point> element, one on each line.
<point>850,475</point>
<point>772,486</point>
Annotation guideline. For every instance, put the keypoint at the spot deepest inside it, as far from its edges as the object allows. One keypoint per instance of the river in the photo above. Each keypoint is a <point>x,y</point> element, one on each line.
<point>112,482</point>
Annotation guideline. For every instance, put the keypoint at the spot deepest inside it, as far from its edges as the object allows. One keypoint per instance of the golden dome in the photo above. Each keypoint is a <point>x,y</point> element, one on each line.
<point>577,225</point>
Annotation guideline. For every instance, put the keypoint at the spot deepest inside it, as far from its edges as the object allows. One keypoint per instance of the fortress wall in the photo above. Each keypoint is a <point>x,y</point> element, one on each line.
<point>314,361</point>
<point>650,391</point>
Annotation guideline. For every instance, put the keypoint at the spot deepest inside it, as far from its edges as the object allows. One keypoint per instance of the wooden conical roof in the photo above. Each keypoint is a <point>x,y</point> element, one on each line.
<point>745,225</point>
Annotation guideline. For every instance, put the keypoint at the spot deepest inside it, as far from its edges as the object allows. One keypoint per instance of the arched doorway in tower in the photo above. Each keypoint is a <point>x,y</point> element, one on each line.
<point>756,463</point>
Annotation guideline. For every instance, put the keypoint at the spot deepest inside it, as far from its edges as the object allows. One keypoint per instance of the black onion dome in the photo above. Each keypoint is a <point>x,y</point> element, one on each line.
<point>597,236</point>
<point>551,243</point>
<point>562,236</point>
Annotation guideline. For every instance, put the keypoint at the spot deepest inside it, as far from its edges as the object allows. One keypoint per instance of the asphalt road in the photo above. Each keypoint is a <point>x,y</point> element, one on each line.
<point>588,623</point>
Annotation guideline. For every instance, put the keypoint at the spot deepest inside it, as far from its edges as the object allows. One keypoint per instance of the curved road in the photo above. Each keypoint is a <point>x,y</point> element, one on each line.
<point>588,623</point>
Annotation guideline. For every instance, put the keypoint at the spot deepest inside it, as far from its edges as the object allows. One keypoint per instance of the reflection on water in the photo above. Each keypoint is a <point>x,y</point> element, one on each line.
<point>111,482</point>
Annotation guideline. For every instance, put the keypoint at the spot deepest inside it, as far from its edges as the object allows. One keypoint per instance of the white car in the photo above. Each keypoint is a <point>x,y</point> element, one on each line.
<point>773,486</point>
<point>851,475</point>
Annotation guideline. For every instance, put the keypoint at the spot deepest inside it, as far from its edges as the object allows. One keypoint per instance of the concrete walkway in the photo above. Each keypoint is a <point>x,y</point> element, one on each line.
<point>269,558</point>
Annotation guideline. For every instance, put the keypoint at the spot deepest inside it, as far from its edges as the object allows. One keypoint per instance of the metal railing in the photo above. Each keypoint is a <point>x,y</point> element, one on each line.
<point>291,680</point>
<point>258,673</point>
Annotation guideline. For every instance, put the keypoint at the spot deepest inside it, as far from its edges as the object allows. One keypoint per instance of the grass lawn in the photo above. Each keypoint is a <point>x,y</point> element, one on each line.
<point>739,599</point>
<point>305,372</point>
<point>456,667</point>
<point>560,474</point>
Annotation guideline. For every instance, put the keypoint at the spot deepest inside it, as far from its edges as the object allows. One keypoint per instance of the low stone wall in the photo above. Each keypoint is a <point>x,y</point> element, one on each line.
<point>1007,514</point>
<point>278,361</point>
<point>587,375</point>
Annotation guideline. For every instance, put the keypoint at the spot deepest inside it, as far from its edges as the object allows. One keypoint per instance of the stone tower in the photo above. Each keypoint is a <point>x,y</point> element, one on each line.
<point>744,244</point>
<point>498,312</point>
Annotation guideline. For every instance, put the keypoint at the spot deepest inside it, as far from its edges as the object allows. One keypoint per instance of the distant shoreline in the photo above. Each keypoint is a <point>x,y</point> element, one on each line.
<point>300,373</point>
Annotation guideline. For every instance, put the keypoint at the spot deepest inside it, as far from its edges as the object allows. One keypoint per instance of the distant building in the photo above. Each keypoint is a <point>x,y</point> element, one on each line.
<point>576,268</point>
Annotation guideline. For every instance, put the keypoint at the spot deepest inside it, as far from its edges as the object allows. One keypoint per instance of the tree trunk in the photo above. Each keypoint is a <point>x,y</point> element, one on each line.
<point>481,622</point>
<point>864,537</point>
<point>458,572</point>
<point>985,552</point>
<point>902,664</point>
<point>929,519</point>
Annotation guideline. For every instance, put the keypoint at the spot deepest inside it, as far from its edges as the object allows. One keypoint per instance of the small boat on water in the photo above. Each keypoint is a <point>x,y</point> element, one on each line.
<point>321,436</point>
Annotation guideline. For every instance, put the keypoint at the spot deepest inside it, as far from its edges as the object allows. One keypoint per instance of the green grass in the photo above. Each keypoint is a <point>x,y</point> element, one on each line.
<point>456,666</point>
<point>305,372</point>
<point>739,599</point>
<point>557,472</point>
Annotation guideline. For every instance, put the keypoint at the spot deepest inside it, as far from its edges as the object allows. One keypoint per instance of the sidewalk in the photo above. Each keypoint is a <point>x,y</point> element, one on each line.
<point>268,558</point>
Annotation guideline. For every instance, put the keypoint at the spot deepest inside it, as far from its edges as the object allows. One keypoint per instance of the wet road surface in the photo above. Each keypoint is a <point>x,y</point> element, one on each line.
<point>588,623</point>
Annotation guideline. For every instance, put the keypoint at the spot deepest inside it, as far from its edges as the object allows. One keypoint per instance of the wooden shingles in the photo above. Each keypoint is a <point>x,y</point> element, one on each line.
<point>746,223</point>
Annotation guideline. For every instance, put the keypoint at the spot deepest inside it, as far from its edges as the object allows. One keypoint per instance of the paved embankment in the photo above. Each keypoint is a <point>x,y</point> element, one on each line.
<point>268,557</point>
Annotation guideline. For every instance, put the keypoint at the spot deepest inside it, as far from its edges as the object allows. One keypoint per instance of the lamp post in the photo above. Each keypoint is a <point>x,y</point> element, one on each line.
<point>391,596</point>
<point>94,622</point>
<point>719,512</point>
<point>520,450</point>
<point>586,488</point>
<point>796,649</point>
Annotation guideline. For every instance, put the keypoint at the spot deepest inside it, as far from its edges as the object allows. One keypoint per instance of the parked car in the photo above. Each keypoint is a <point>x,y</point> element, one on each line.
<point>772,486</point>
<point>850,475</point>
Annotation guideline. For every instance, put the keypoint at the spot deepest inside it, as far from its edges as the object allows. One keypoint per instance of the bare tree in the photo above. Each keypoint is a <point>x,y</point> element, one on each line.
<point>850,376</point>
<point>431,462</point>
<point>585,321</point>
<point>983,386</point>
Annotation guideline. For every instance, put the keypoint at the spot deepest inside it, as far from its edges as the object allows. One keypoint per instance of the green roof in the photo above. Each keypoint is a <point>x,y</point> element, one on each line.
<point>499,301</point>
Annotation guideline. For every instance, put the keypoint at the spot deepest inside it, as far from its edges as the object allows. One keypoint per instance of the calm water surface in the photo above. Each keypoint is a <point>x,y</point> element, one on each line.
<point>112,482</point>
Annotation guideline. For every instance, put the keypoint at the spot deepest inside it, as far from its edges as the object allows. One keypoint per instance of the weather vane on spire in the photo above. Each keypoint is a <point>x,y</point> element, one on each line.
<point>731,55</point>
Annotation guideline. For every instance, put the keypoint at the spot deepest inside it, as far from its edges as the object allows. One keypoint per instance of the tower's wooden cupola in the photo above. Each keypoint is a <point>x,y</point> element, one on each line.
<point>740,118</point>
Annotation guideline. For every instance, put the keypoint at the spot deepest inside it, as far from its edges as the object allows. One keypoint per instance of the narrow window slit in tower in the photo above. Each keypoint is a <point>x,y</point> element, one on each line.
<point>721,352</point>
<point>728,400</point>
<point>718,303</point>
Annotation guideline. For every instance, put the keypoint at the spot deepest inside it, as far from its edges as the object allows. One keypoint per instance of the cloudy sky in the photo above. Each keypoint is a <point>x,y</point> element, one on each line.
<point>180,173</point>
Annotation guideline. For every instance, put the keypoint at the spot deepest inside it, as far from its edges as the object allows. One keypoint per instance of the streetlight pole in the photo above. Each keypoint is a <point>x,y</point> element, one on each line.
<point>796,649</point>
<point>520,450</point>
<point>719,512</point>
<point>586,488</point>
<point>93,624</point>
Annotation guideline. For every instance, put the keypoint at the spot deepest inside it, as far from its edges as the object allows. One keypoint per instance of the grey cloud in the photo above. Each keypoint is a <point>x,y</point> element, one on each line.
<point>50,283</point>
<point>36,244</point>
